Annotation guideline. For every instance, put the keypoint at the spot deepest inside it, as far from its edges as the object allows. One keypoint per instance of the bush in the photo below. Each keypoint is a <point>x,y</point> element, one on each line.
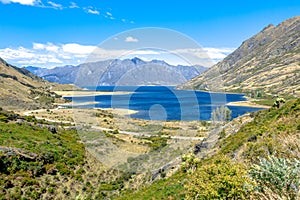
<point>189,162</point>
<point>277,175</point>
<point>220,179</point>
<point>278,102</point>
<point>221,114</point>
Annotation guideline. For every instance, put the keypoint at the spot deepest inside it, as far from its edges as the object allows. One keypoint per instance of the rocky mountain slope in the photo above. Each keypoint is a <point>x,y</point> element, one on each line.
<point>268,62</point>
<point>120,72</point>
<point>21,89</point>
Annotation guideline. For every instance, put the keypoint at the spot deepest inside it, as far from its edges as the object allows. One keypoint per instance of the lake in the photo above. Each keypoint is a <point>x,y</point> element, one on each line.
<point>164,102</point>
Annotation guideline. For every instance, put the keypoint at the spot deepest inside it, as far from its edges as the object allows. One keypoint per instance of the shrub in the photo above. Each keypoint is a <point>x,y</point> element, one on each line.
<point>277,175</point>
<point>189,162</point>
<point>219,179</point>
<point>278,102</point>
<point>221,114</point>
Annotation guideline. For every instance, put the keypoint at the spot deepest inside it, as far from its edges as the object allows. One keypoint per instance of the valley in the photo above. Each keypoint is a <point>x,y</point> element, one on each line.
<point>138,128</point>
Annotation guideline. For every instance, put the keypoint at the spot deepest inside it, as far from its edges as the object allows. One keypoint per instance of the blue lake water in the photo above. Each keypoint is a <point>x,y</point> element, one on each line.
<point>164,102</point>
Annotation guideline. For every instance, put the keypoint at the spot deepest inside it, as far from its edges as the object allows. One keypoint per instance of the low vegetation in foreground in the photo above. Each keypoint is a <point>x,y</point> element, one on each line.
<point>43,160</point>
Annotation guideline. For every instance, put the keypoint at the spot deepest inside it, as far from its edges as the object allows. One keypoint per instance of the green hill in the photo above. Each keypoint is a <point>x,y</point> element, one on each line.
<point>42,160</point>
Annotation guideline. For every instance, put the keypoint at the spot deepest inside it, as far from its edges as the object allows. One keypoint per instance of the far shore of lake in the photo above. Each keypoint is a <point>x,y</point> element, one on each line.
<point>87,93</point>
<point>247,104</point>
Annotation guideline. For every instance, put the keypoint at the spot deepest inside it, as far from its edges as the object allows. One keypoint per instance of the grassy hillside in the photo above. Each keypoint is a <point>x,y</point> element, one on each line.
<point>260,161</point>
<point>41,160</point>
<point>19,89</point>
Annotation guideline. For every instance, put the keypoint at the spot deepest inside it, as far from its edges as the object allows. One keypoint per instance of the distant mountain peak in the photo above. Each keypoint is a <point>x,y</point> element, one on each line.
<point>133,71</point>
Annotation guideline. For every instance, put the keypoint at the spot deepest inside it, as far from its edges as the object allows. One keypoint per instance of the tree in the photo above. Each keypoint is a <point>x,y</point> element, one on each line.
<point>278,102</point>
<point>221,114</point>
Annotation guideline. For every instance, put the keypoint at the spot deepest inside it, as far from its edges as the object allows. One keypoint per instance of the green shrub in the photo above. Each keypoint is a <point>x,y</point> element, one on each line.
<point>278,102</point>
<point>189,162</point>
<point>279,175</point>
<point>219,179</point>
<point>3,118</point>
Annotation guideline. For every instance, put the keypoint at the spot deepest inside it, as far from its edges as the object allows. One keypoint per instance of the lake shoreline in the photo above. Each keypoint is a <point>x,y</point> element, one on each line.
<point>87,93</point>
<point>247,104</point>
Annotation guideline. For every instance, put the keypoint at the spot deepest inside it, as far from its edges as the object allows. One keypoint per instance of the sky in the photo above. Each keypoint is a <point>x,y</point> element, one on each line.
<point>48,33</point>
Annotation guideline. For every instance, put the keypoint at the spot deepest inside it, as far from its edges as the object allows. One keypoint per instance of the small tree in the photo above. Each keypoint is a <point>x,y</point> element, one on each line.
<point>221,114</point>
<point>278,102</point>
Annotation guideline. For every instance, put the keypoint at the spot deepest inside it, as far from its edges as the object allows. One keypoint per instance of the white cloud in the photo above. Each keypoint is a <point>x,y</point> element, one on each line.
<point>23,2</point>
<point>52,55</point>
<point>109,14</point>
<point>12,54</point>
<point>131,39</point>
<point>73,5</point>
<point>38,46</point>
<point>93,11</point>
<point>213,54</point>
<point>218,54</point>
<point>47,54</point>
<point>55,5</point>
<point>49,46</point>
<point>77,48</point>
<point>145,52</point>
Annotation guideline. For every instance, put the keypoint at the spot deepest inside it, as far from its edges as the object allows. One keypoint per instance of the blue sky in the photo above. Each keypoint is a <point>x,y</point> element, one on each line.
<point>50,33</point>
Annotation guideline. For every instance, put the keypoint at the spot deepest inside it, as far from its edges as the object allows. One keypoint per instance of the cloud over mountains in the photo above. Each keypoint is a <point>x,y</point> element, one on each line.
<point>50,55</point>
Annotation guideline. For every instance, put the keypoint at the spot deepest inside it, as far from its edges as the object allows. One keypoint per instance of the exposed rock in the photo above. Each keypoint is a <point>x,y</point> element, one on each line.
<point>52,129</point>
<point>19,152</point>
<point>200,146</point>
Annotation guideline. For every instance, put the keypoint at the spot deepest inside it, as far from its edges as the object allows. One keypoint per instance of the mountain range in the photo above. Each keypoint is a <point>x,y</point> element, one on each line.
<point>267,63</point>
<point>120,72</point>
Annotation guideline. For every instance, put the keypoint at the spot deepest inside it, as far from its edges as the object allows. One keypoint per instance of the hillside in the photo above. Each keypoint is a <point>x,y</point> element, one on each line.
<point>259,161</point>
<point>267,63</point>
<point>20,89</point>
<point>120,72</point>
<point>43,160</point>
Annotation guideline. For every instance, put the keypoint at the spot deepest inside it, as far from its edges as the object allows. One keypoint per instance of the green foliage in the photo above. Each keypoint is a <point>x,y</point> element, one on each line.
<point>156,142</point>
<point>218,179</point>
<point>109,186</point>
<point>34,151</point>
<point>278,102</point>
<point>189,162</point>
<point>279,175</point>
<point>261,136</point>
<point>6,116</point>
<point>3,118</point>
<point>163,189</point>
<point>222,134</point>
